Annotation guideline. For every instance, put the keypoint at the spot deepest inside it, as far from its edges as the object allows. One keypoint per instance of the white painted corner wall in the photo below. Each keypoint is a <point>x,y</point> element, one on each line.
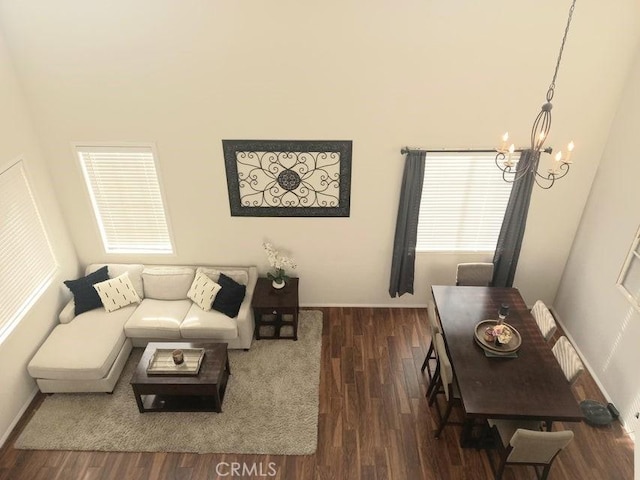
<point>603,324</point>
<point>19,140</point>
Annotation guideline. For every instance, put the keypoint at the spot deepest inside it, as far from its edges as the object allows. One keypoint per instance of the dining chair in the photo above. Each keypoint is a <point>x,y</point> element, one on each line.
<point>443,382</point>
<point>434,328</point>
<point>568,359</point>
<point>479,274</point>
<point>527,447</point>
<point>544,319</point>
<point>506,428</point>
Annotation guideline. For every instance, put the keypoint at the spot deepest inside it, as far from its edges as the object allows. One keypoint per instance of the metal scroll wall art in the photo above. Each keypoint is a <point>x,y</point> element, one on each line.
<point>298,178</point>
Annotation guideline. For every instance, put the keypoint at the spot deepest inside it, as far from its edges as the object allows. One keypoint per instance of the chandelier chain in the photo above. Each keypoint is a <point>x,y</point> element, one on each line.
<point>552,87</point>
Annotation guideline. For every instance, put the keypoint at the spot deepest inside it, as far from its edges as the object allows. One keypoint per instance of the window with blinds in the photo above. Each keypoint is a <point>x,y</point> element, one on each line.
<point>629,279</point>
<point>463,202</point>
<point>127,202</point>
<point>27,260</point>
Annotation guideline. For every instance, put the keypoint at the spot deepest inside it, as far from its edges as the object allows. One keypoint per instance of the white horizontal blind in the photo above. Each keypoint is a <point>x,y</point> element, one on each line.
<point>127,202</point>
<point>463,202</point>
<point>26,258</point>
<point>629,279</point>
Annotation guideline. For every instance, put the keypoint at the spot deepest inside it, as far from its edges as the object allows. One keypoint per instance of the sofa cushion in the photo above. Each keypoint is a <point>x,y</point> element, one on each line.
<point>157,319</point>
<point>83,349</point>
<point>230,297</point>
<point>203,291</point>
<point>116,269</point>
<point>84,295</point>
<point>237,274</point>
<point>167,283</point>
<point>117,292</point>
<point>212,324</point>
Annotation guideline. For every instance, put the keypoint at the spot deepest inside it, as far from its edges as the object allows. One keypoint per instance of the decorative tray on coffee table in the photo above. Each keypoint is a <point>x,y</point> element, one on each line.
<point>161,362</point>
<point>508,348</point>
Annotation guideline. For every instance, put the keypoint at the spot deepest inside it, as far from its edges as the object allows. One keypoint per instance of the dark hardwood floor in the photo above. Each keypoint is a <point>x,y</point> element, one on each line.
<point>374,423</point>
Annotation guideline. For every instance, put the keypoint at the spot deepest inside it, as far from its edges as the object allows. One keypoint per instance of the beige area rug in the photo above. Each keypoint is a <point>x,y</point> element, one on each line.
<point>270,407</point>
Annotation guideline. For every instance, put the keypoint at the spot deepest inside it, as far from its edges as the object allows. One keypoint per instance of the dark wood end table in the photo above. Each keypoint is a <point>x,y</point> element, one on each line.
<point>203,392</point>
<point>274,309</point>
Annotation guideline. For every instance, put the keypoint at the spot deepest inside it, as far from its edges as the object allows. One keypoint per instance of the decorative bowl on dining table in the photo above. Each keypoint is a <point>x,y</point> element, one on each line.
<point>497,338</point>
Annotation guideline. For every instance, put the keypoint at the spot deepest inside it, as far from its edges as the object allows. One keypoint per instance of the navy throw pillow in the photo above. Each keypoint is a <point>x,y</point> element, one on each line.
<point>230,297</point>
<point>84,295</point>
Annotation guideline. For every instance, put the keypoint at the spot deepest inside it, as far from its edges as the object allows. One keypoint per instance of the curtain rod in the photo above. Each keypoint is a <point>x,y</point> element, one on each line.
<point>450,150</point>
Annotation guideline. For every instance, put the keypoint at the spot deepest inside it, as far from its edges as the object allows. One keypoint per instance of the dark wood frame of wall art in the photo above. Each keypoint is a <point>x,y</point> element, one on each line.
<point>343,147</point>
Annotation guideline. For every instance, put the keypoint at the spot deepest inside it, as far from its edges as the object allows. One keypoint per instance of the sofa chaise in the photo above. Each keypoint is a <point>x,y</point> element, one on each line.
<point>87,352</point>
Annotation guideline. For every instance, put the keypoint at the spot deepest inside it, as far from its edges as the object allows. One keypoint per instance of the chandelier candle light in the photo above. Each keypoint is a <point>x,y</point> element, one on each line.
<point>539,134</point>
<point>278,262</point>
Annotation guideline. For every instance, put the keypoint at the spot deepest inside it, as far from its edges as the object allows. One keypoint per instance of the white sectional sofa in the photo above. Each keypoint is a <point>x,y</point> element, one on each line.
<point>86,353</point>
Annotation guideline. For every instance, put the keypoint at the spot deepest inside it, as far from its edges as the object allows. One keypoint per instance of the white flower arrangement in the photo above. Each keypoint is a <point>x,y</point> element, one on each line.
<point>278,262</point>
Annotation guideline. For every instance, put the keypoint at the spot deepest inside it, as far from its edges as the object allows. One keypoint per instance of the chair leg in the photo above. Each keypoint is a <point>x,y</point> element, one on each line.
<point>435,388</point>
<point>490,460</point>
<point>438,412</point>
<point>425,363</point>
<point>429,356</point>
<point>500,470</point>
<point>434,380</point>
<point>444,418</point>
<point>502,455</point>
<point>545,472</point>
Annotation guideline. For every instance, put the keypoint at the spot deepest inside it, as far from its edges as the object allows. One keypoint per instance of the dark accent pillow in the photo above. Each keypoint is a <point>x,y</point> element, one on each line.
<point>230,297</point>
<point>84,295</point>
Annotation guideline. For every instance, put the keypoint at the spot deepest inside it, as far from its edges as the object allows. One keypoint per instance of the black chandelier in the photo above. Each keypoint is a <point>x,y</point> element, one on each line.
<point>539,132</point>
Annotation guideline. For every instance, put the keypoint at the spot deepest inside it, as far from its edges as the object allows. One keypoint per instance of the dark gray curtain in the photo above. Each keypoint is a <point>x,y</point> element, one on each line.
<point>505,259</point>
<point>404,245</point>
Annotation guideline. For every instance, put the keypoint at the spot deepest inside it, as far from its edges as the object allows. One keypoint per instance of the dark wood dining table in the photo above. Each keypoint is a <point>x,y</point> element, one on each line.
<point>528,387</point>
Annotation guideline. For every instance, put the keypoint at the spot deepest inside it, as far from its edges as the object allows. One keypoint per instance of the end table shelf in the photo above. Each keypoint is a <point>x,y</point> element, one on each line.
<point>276,311</point>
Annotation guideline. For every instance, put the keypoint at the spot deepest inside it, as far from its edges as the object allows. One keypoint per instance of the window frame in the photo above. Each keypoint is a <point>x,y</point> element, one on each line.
<point>440,156</point>
<point>632,257</point>
<point>75,146</point>
<point>8,324</point>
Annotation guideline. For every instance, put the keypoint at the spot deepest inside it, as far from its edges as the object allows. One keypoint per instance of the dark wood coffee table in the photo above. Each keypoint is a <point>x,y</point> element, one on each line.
<point>203,392</point>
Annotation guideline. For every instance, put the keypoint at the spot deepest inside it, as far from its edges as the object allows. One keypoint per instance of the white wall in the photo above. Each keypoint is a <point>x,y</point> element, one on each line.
<point>384,74</point>
<point>17,139</point>
<point>601,321</point>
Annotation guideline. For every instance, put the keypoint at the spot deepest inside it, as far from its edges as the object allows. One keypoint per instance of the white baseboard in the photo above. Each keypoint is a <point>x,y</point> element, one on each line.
<point>18,416</point>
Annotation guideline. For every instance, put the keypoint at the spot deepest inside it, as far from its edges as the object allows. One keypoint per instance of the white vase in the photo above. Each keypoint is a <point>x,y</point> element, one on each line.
<point>277,285</point>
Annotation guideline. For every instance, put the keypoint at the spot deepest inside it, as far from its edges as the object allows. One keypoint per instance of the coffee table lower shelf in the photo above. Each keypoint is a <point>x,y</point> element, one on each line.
<point>179,403</point>
<point>168,398</point>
